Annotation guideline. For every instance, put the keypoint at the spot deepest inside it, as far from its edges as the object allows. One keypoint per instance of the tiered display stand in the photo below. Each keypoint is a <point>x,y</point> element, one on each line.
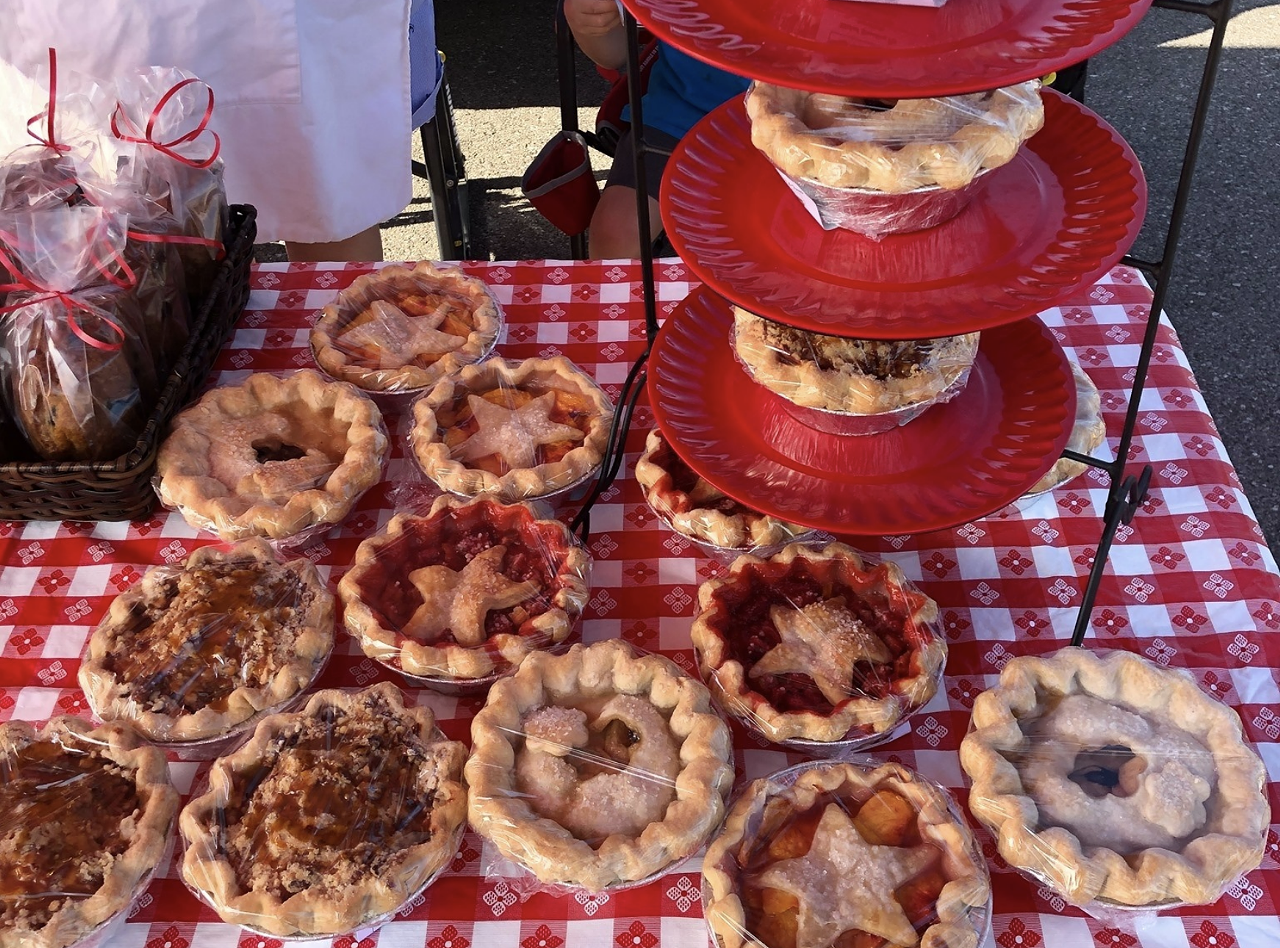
<point>1056,218</point>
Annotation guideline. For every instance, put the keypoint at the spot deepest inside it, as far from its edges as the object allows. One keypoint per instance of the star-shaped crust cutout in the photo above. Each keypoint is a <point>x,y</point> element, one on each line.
<point>843,882</point>
<point>514,434</point>
<point>460,602</point>
<point>399,339</point>
<point>823,640</point>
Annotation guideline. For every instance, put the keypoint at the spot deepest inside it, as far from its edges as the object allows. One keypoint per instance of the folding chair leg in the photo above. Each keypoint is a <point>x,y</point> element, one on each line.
<point>578,246</point>
<point>446,177</point>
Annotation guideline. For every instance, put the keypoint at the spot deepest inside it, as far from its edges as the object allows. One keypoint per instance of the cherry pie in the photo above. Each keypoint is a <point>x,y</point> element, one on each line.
<point>813,644</point>
<point>467,590</point>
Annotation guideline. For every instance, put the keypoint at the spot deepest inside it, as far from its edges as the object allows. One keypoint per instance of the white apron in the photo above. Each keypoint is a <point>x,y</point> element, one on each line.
<point>312,96</point>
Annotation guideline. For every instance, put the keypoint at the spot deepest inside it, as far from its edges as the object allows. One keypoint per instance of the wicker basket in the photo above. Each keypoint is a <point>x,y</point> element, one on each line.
<point>121,489</point>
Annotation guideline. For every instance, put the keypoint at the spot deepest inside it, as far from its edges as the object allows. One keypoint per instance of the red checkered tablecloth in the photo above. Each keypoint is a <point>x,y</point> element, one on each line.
<point>1190,584</point>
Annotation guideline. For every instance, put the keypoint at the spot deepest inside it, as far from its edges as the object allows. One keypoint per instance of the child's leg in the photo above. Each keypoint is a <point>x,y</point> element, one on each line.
<point>364,246</point>
<point>615,228</point>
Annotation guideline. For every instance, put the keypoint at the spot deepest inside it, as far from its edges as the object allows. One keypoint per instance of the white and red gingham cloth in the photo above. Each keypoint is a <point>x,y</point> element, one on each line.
<point>1190,584</point>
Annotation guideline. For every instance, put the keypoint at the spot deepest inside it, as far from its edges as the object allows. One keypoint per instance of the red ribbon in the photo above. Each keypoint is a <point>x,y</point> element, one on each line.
<point>147,136</point>
<point>180,239</point>
<point>26,284</point>
<point>49,141</point>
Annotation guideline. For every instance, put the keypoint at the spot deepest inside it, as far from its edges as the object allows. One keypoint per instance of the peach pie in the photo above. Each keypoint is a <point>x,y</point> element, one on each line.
<point>598,767</point>
<point>272,456</point>
<point>812,644</point>
<point>471,588</point>
<point>515,430</point>
<point>1115,780</point>
<point>845,855</point>
<point>329,818</point>
<point>87,813</point>
<point>192,652</point>
<point>405,327</point>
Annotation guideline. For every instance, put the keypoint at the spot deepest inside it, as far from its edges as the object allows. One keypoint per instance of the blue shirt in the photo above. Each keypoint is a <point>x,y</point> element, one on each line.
<point>683,89</point>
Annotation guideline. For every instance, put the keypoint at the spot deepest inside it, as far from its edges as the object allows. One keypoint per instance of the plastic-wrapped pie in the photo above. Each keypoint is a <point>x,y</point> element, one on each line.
<point>515,430</point>
<point>469,589</point>
<point>847,854</point>
<point>855,376</point>
<point>405,327</point>
<point>1090,430</point>
<point>85,815</point>
<point>812,644</point>
<point>1115,780</point>
<point>694,508</point>
<point>329,818</point>
<point>272,456</point>
<point>598,767</point>
<point>194,651</point>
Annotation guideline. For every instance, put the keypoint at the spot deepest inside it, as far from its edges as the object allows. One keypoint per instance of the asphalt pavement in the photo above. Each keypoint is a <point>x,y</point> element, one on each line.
<point>501,68</point>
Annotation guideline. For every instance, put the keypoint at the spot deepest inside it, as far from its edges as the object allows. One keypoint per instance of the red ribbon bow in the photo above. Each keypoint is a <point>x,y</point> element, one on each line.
<point>125,279</point>
<point>49,141</point>
<point>131,132</point>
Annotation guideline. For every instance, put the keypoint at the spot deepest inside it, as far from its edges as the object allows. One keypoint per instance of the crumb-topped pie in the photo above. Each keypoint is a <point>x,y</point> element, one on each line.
<point>471,588</point>
<point>1114,779</point>
<point>1090,430</point>
<point>272,456</point>
<point>404,327</point>
<point>696,509</point>
<point>853,855</point>
<point>598,767</point>
<point>328,818</point>
<point>87,814</point>
<point>193,651</point>
<point>512,429</point>
<point>858,376</point>
<point>813,644</point>
<point>894,145</point>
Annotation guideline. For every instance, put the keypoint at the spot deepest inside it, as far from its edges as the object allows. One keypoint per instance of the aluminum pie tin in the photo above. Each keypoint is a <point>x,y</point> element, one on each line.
<point>468,687</point>
<point>878,213</point>
<point>851,424</point>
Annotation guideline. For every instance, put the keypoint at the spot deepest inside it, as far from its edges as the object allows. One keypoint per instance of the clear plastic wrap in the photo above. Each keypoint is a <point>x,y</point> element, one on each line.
<point>511,430</point>
<point>462,595</point>
<point>816,649</point>
<point>1115,782</point>
<point>163,113</point>
<point>848,386</point>
<point>598,768</point>
<point>329,820</point>
<point>857,852</point>
<point>194,652</point>
<point>86,819</point>
<point>1089,432</point>
<point>82,374</point>
<point>686,503</point>
<point>398,331</point>
<point>283,457</point>
<point>877,166</point>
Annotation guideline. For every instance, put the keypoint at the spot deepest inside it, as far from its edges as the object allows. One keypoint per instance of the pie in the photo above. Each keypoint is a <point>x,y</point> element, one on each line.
<point>891,145</point>
<point>813,644</point>
<point>856,376</point>
<point>1090,431</point>
<point>193,651</point>
<point>598,767</point>
<point>87,814</point>
<point>272,456</point>
<point>471,588</point>
<point>1113,779</point>
<point>848,855</point>
<point>405,327</point>
<point>328,818</point>
<point>694,508</point>
<point>516,430</point>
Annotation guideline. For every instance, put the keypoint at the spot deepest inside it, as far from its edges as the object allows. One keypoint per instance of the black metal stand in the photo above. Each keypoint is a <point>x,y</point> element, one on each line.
<point>1128,491</point>
<point>446,177</point>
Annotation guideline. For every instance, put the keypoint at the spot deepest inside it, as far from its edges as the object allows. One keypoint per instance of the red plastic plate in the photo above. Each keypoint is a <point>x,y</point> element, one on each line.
<point>1056,218</point>
<point>955,463</point>
<point>890,50</point>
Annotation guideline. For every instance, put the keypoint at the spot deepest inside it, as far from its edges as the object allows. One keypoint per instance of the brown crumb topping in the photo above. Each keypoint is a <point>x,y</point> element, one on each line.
<point>208,631</point>
<point>337,800</point>
<point>881,359</point>
<point>67,817</point>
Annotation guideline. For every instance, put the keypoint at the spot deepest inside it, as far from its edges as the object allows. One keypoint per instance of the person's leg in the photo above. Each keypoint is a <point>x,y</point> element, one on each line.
<point>615,226</point>
<point>366,245</point>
